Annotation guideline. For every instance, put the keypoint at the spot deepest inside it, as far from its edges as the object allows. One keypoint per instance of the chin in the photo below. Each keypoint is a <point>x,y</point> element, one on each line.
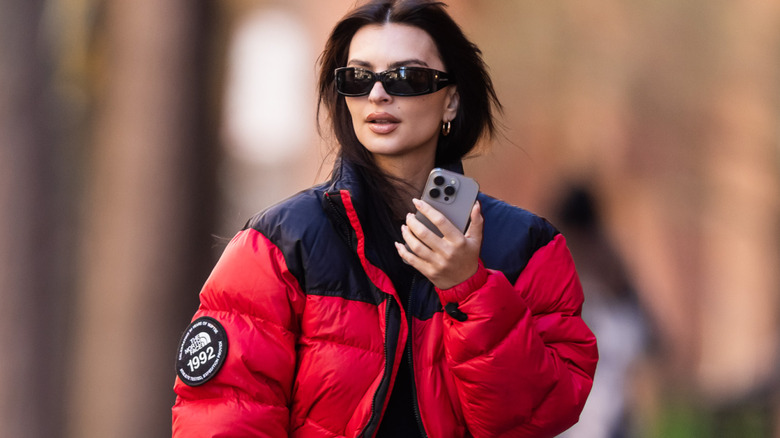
<point>382,147</point>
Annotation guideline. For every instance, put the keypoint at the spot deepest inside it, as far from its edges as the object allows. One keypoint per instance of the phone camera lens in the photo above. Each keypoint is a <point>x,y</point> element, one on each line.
<point>435,193</point>
<point>449,190</point>
<point>438,180</point>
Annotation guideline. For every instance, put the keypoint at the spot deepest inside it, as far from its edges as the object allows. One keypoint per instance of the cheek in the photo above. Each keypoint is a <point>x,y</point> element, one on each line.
<point>429,115</point>
<point>353,108</point>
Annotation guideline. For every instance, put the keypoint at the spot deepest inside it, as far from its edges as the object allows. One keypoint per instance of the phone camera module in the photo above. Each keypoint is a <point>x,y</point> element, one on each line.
<point>442,187</point>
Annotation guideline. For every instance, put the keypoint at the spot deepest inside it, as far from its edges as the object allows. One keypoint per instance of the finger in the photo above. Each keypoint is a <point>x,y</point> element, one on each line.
<point>409,257</point>
<point>474,231</point>
<point>422,233</point>
<point>412,260</point>
<point>418,248</point>
<point>404,253</point>
<point>437,218</point>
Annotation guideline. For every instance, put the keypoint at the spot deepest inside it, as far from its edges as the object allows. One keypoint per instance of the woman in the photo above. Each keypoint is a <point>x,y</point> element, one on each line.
<point>338,313</point>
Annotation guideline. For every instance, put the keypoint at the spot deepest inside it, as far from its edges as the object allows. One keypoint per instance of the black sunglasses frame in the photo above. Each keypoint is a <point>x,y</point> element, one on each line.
<point>435,80</point>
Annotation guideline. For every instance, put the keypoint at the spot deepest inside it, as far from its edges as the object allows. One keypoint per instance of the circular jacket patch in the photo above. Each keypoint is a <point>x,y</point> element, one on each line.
<point>202,351</point>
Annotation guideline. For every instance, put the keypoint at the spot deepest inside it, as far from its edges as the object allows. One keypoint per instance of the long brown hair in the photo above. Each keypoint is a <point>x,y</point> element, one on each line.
<point>462,60</point>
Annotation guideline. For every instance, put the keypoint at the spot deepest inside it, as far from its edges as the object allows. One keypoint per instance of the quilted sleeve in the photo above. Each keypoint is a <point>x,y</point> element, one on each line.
<point>522,357</point>
<point>252,294</point>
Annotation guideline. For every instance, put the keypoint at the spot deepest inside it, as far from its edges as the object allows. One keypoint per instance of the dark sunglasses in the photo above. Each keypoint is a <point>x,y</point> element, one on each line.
<point>401,81</point>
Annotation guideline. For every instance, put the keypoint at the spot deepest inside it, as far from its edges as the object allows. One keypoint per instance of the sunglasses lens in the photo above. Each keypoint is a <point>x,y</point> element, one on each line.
<point>354,81</point>
<point>408,81</point>
<point>403,81</point>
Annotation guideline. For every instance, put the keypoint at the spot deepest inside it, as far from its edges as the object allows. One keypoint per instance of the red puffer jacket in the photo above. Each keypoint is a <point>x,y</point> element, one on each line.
<point>313,338</point>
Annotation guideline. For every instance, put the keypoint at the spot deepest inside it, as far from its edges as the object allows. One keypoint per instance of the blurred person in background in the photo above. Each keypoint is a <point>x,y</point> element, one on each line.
<point>338,313</point>
<point>612,310</point>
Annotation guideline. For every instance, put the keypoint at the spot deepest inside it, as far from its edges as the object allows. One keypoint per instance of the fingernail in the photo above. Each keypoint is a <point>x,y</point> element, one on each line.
<point>415,201</point>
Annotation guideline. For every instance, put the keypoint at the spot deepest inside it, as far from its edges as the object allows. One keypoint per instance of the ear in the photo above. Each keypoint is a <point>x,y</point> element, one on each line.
<point>451,104</point>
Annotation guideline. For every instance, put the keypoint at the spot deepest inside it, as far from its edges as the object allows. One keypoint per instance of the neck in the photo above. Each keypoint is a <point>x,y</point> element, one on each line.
<point>410,176</point>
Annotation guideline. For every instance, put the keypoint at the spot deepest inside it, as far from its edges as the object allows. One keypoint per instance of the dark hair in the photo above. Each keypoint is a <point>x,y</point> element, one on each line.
<point>462,60</point>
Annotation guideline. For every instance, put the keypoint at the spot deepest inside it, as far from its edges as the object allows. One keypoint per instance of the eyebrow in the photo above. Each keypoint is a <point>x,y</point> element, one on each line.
<point>404,63</point>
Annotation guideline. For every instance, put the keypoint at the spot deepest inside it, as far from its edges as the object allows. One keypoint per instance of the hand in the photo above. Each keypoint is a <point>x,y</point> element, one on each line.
<point>448,260</point>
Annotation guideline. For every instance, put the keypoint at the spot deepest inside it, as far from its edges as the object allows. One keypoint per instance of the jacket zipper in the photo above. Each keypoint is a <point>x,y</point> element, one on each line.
<point>370,426</point>
<point>410,321</point>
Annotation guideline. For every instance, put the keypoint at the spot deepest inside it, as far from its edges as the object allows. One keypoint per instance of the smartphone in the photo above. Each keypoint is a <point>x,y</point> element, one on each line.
<point>452,194</point>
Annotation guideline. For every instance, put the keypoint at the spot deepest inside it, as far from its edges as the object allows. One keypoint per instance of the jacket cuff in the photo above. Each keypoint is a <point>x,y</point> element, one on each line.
<point>461,291</point>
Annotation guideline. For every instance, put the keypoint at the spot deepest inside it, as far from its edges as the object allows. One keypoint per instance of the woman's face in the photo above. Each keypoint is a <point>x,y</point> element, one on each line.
<point>398,130</point>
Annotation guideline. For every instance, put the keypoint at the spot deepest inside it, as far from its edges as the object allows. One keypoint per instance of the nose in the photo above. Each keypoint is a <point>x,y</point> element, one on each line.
<point>378,93</point>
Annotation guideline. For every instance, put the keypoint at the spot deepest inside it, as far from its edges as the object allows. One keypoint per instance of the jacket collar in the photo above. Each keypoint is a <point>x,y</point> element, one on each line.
<point>345,176</point>
<point>346,180</point>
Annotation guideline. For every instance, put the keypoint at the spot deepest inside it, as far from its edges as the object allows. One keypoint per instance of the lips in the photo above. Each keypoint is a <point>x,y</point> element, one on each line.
<point>382,123</point>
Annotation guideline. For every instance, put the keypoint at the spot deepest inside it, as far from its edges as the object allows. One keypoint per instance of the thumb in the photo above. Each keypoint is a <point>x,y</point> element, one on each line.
<point>474,231</point>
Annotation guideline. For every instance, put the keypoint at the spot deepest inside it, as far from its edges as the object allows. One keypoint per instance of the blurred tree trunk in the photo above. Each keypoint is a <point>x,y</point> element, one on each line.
<point>148,202</point>
<point>32,231</point>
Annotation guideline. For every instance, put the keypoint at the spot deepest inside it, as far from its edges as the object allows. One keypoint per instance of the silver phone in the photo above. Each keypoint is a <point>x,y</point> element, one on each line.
<point>452,194</point>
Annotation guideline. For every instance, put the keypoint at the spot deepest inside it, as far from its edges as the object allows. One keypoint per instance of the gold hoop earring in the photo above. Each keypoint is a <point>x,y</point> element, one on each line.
<point>445,128</point>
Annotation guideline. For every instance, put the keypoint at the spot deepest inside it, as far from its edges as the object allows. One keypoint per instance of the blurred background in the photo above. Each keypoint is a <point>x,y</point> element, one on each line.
<point>136,137</point>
